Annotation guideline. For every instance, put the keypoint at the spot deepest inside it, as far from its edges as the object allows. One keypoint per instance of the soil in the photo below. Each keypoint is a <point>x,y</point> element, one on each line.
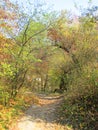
<point>42,116</point>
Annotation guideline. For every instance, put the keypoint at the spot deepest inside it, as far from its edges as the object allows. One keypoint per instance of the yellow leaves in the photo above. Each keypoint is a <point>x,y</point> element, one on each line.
<point>81,125</point>
<point>31,99</point>
<point>5,114</point>
<point>9,114</point>
<point>2,38</point>
<point>81,108</point>
<point>1,107</point>
<point>1,127</point>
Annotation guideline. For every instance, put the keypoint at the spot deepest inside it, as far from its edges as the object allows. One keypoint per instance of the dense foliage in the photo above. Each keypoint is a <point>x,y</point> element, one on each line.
<point>50,52</point>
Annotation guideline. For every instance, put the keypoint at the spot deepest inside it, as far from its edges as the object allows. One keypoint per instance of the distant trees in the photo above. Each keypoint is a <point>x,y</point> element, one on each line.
<point>79,71</point>
<point>49,52</point>
<point>56,51</point>
<point>78,43</point>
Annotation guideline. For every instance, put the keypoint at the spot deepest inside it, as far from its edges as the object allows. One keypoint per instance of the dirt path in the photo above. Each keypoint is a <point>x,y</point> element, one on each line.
<point>42,116</point>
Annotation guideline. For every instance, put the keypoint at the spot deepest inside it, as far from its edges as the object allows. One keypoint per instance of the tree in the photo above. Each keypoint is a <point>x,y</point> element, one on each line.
<point>90,13</point>
<point>20,48</point>
<point>78,43</point>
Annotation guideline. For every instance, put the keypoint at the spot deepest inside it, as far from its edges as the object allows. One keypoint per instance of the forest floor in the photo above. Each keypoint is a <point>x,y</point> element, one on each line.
<point>42,116</point>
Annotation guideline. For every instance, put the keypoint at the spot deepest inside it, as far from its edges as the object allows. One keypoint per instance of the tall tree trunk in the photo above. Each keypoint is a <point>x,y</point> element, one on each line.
<point>45,84</point>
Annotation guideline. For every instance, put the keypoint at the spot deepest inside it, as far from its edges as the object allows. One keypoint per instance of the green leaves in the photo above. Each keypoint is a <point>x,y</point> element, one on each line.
<point>4,96</point>
<point>7,70</point>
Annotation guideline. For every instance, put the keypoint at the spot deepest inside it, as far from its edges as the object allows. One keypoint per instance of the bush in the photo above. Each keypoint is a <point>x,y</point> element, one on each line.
<point>81,112</point>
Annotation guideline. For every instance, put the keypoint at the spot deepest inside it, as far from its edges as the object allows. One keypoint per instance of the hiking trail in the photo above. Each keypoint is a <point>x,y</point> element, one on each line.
<point>42,116</point>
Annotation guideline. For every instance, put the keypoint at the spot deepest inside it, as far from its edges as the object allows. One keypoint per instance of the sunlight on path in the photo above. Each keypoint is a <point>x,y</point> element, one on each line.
<point>42,116</point>
<point>29,125</point>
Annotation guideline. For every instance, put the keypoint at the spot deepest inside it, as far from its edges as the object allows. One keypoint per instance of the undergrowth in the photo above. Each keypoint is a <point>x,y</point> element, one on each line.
<point>81,112</point>
<point>14,109</point>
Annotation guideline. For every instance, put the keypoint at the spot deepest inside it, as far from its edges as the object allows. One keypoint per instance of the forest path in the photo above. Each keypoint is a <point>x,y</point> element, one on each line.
<point>43,116</point>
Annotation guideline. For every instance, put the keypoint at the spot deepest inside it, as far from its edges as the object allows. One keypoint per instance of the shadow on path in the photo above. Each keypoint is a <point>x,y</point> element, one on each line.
<point>43,116</point>
<point>46,110</point>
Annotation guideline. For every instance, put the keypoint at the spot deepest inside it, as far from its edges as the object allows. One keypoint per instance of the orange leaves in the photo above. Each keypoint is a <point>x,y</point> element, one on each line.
<point>3,14</point>
<point>3,45</point>
<point>12,102</point>
<point>7,116</point>
<point>30,99</point>
<point>53,34</point>
<point>6,15</point>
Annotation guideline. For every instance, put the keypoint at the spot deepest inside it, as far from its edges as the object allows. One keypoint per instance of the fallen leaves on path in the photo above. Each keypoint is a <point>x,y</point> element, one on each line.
<point>42,116</point>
